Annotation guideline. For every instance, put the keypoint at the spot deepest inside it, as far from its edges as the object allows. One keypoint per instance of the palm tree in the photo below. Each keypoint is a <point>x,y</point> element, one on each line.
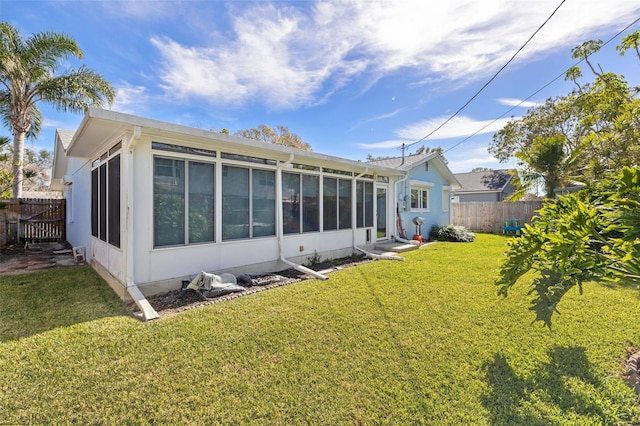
<point>29,74</point>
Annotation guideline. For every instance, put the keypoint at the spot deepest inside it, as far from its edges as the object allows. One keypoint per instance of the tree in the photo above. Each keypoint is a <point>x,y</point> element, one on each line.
<point>29,73</point>
<point>6,174</point>
<point>590,236</point>
<point>546,142</point>
<point>598,124</point>
<point>421,150</point>
<point>280,135</point>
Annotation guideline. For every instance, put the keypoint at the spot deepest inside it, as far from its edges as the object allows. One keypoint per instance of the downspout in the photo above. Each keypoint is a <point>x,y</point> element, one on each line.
<point>143,304</point>
<point>396,236</point>
<point>279,224</point>
<point>354,221</point>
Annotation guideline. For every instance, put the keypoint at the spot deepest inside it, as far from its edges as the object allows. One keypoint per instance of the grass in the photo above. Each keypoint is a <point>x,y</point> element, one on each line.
<point>425,341</point>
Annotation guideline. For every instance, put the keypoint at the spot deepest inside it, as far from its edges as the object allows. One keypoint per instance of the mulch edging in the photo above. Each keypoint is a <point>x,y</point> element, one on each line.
<point>177,301</point>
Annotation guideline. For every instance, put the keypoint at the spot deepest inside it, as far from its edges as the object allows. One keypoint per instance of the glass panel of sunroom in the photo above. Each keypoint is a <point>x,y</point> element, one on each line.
<point>290,203</point>
<point>263,203</point>
<point>235,203</point>
<point>310,203</point>
<point>329,203</point>
<point>201,202</point>
<point>168,202</point>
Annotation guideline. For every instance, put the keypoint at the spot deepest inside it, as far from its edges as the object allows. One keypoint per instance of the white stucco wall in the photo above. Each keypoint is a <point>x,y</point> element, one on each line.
<point>78,196</point>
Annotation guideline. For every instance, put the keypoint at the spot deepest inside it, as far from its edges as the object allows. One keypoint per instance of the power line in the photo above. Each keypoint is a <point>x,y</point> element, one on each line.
<point>487,83</point>
<point>537,91</point>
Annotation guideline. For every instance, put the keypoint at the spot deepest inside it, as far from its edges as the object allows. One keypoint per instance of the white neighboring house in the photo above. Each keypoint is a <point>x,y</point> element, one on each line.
<point>154,203</point>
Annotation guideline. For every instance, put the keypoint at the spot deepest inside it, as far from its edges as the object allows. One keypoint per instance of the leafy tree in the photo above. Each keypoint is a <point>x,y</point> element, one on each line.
<point>597,125</point>
<point>280,135</point>
<point>29,73</point>
<point>6,174</point>
<point>546,142</point>
<point>589,236</point>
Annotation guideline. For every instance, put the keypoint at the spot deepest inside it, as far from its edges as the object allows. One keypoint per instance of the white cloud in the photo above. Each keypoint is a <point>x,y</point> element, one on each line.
<point>288,56</point>
<point>394,143</point>
<point>517,103</point>
<point>130,99</point>
<point>458,127</point>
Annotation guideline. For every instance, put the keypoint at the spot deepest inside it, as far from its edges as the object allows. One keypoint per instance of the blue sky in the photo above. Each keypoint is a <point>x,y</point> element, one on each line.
<point>350,77</point>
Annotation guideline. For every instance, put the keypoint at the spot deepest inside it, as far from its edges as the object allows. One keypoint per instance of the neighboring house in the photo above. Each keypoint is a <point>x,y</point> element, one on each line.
<point>494,185</point>
<point>155,203</point>
<point>423,192</point>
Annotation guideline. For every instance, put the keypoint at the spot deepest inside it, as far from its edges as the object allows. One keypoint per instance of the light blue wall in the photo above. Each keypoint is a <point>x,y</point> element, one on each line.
<point>435,215</point>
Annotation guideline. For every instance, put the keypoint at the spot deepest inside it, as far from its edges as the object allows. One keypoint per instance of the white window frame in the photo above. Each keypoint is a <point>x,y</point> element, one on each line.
<point>425,189</point>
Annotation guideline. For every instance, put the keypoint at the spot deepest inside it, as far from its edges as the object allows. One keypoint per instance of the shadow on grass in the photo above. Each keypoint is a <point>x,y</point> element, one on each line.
<point>36,302</point>
<point>513,400</point>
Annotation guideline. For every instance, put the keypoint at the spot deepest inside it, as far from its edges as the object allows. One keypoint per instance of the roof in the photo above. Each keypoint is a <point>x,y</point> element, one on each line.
<point>99,127</point>
<point>487,181</point>
<point>62,141</point>
<point>65,137</point>
<point>409,162</point>
<point>406,163</point>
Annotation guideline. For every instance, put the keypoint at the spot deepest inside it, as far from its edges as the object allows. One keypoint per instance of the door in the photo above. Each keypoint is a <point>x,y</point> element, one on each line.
<point>381,213</point>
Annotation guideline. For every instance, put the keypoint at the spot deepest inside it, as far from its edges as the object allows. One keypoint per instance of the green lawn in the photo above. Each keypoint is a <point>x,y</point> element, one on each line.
<point>425,341</point>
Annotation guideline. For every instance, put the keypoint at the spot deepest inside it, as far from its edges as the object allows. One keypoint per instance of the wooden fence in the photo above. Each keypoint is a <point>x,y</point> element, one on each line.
<point>33,220</point>
<point>490,216</point>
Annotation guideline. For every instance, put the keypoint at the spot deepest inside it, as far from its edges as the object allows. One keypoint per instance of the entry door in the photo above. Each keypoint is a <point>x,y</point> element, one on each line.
<point>381,213</point>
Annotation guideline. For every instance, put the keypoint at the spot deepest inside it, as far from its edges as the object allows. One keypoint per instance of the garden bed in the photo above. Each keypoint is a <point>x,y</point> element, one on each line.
<point>180,300</point>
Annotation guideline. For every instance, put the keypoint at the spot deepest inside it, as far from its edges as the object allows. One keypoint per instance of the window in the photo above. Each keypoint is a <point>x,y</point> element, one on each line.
<point>183,202</point>
<point>168,202</point>
<point>336,203</point>
<point>201,202</point>
<point>420,196</point>
<point>364,204</point>
<point>113,201</point>
<point>300,203</point>
<point>105,196</point>
<point>263,203</point>
<point>248,203</point>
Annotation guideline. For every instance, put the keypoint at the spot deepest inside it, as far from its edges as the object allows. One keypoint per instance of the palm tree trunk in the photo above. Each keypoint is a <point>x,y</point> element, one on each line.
<point>18,160</point>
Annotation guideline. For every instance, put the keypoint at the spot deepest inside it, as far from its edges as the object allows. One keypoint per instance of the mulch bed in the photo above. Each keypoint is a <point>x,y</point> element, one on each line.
<point>175,301</point>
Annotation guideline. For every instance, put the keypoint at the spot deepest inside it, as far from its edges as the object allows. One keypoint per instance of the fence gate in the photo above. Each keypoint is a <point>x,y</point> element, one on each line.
<point>35,220</point>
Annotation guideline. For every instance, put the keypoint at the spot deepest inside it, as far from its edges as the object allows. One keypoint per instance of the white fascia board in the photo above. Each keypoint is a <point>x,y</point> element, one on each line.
<point>96,117</point>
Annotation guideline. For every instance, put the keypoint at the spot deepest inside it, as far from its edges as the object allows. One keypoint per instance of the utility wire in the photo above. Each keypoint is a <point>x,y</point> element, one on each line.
<point>537,91</point>
<point>486,84</point>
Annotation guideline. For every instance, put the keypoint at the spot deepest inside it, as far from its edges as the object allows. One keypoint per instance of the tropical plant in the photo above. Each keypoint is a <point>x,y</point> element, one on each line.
<point>589,236</point>
<point>597,127</point>
<point>29,74</point>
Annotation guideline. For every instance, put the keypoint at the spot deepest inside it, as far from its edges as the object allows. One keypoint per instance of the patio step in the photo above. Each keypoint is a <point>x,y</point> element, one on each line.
<point>396,247</point>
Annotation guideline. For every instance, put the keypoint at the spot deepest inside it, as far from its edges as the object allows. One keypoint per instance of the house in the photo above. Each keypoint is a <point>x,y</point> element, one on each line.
<point>153,203</point>
<point>422,192</point>
<point>493,185</point>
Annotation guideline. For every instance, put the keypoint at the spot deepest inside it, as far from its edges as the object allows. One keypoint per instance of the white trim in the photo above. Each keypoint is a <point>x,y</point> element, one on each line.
<point>423,183</point>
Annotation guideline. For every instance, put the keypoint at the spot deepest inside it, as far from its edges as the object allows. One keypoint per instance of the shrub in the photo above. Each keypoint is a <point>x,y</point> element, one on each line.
<point>454,233</point>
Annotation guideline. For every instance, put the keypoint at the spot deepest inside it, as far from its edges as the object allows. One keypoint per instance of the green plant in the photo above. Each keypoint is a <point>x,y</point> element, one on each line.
<point>423,341</point>
<point>579,238</point>
<point>314,259</point>
<point>454,233</point>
